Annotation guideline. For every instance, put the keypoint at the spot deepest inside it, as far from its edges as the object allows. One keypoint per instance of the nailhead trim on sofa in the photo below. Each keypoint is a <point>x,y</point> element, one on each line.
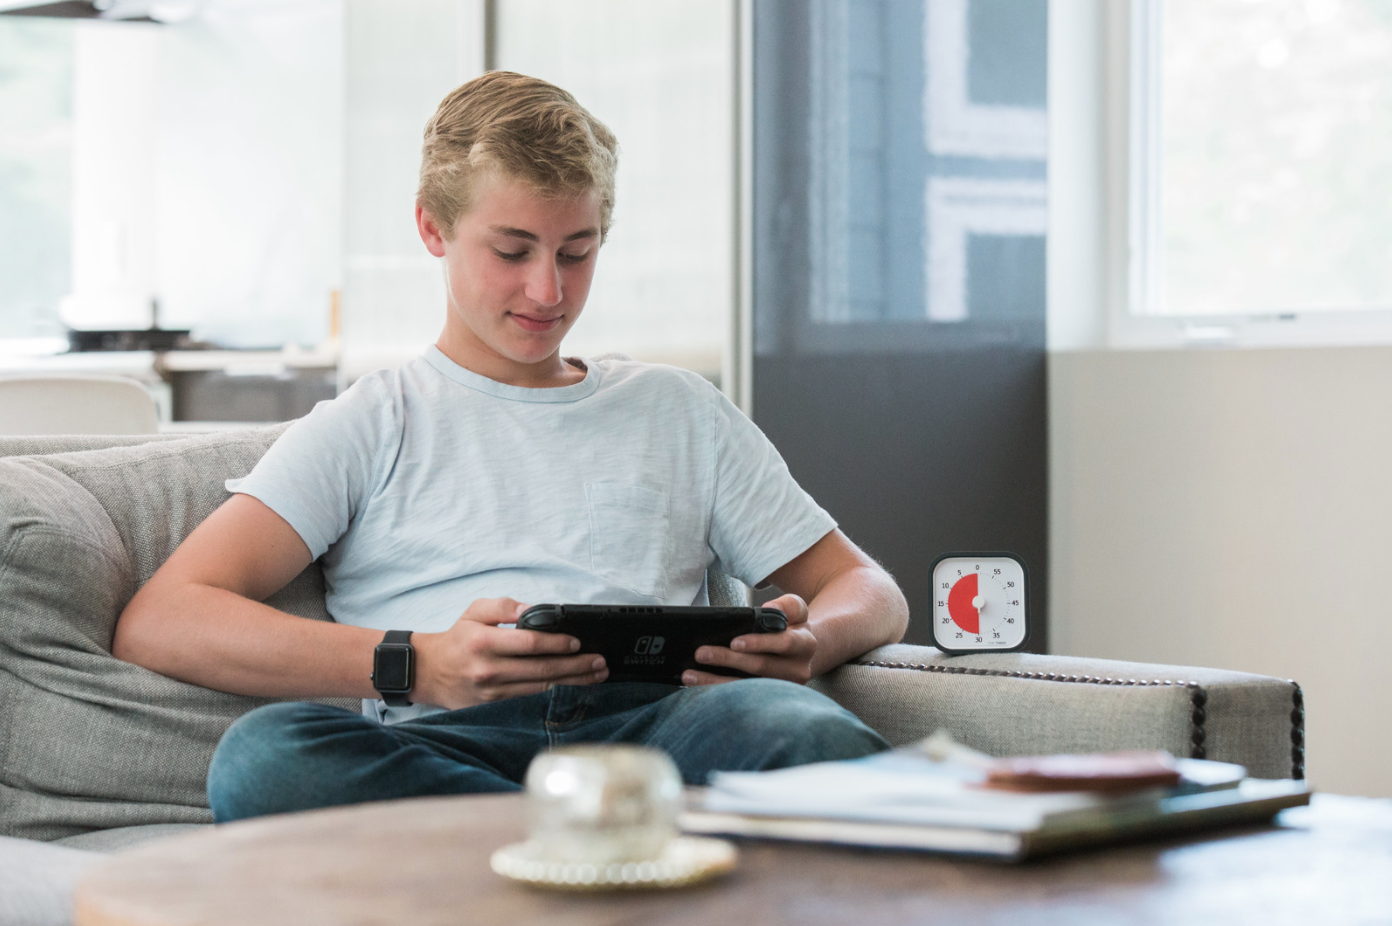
<point>1297,731</point>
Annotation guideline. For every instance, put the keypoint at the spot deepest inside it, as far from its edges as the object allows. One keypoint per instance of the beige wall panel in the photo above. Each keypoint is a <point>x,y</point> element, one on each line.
<point>1234,509</point>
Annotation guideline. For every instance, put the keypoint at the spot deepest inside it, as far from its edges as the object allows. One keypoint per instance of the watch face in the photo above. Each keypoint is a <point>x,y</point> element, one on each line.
<point>979,603</point>
<point>392,668</point>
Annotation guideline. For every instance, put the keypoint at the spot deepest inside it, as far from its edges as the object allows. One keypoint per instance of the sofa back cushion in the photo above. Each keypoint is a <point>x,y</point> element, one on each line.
<point>87,741</point>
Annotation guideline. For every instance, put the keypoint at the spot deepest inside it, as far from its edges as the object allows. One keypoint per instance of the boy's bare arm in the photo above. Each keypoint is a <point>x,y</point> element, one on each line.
<point>200,619</point>
<point>840,603</point>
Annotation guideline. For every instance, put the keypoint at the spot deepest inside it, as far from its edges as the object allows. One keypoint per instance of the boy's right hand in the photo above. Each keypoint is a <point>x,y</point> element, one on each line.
<point>476,661</point>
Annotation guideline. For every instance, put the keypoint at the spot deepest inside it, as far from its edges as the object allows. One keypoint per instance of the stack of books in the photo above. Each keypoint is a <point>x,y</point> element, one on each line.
<point>905,799</point>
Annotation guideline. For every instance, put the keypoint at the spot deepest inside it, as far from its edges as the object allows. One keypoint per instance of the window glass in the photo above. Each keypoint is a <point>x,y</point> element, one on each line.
<point>900,170</point>
<point>1276,130</point>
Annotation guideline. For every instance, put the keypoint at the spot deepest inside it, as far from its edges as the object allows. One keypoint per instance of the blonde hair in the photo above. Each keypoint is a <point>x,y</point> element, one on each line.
<point>523,128</point>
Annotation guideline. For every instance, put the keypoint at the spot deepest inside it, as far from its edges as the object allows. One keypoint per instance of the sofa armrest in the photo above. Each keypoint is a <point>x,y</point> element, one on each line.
<point>1025,704</point>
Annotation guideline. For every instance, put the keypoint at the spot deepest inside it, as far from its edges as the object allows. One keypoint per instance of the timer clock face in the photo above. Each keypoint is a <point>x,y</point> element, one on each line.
<point>979,603</point>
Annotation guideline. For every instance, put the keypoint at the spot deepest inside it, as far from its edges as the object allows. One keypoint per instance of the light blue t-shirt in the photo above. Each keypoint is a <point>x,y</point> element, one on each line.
<point>427,487</point>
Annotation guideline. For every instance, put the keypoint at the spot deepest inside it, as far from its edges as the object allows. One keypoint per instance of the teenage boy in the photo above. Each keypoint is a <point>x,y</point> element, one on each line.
<point>493,472</point>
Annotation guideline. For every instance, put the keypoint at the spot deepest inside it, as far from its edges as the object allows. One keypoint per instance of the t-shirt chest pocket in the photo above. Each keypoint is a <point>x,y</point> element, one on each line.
<point>630,536</point>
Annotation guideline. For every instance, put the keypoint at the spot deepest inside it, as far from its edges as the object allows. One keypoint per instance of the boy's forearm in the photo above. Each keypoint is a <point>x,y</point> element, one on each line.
<point>854,612</point>
<point>218,639</point>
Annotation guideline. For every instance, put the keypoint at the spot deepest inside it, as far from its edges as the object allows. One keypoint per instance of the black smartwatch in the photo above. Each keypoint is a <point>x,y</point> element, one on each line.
<point>394,668</point>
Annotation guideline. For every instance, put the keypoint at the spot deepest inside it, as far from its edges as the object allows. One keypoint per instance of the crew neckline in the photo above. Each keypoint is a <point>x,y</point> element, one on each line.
<point>549,394</point>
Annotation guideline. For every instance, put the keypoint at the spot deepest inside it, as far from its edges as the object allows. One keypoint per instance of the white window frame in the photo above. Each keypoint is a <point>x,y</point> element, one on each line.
<point>1135,137</point>
<point>958,207</point>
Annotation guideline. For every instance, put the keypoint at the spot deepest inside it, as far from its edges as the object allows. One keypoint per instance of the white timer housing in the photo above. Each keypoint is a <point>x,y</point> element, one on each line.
<point>980,603</point>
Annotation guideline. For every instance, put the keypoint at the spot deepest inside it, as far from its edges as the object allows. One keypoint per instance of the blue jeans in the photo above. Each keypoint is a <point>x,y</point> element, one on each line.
<point>296,756</point>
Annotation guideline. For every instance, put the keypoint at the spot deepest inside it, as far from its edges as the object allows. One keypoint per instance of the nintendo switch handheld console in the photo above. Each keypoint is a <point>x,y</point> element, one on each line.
<point>651,643</point>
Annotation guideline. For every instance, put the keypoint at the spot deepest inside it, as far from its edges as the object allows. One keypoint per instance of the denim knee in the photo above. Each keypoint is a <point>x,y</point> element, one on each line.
<point>790,724</point>
<point>252,772</point>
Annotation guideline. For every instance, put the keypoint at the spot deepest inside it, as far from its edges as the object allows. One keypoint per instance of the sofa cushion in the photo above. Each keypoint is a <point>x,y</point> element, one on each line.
<point>87,741</point>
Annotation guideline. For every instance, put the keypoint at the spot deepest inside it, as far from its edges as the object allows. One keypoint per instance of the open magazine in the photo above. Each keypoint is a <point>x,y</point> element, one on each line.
<point>906,799</point>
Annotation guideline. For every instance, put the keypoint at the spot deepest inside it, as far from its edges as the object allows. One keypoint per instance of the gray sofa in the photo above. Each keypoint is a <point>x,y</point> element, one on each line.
<point>97,754</point>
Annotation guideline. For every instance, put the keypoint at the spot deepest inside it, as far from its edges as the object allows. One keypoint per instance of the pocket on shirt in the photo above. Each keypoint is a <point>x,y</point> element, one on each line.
<point>629,536</point>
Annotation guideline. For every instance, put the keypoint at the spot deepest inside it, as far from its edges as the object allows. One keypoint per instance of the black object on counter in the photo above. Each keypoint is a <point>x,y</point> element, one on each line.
<point>130,339</point>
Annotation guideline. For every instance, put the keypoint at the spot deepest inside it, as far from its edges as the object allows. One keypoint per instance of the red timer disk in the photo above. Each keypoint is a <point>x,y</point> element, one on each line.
<point>962,604</point>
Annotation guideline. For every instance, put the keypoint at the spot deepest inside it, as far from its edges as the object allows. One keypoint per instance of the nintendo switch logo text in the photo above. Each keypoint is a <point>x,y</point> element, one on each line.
<point>649,646</point>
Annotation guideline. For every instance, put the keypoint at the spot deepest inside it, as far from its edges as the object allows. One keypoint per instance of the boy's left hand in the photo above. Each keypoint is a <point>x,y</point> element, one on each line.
<point>787,655</point>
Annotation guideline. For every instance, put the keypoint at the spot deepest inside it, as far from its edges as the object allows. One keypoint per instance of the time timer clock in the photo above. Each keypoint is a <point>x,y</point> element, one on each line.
<point>980,603</point>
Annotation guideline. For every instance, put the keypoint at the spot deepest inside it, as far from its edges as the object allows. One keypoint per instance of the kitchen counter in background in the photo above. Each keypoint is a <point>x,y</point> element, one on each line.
<point>200,390</point>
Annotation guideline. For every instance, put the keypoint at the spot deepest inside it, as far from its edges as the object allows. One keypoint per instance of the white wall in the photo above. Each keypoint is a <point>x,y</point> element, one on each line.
<point>402,58</point>
<point>250,168</point>
<point>114,178</point>
<point>1227,507</point>
<point>661,75</point>
<point>1234,509</point>
<point>207,172</point>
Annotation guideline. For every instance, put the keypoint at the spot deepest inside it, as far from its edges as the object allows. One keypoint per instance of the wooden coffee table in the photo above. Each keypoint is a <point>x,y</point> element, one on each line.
<point>425,862</point>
